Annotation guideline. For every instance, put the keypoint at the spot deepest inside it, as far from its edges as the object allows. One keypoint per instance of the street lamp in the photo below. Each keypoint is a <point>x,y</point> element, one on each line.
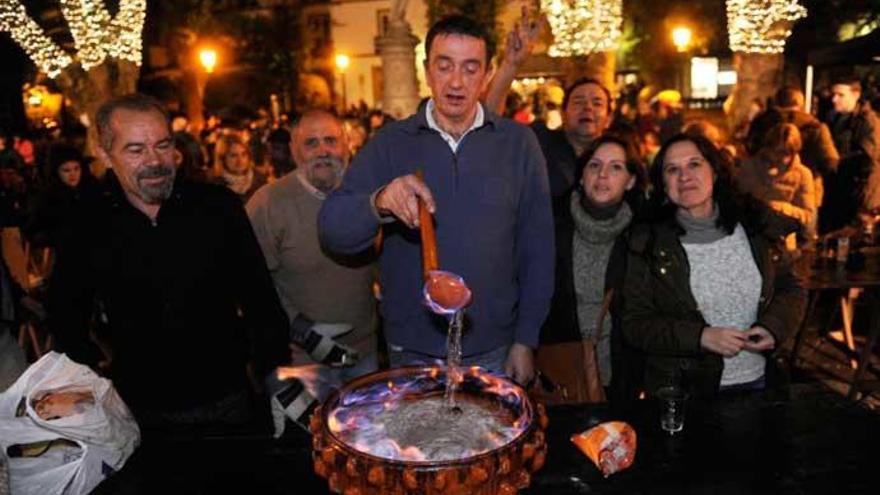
<point>342,63</point>
<point>208,59</point>
<point>681,38</point>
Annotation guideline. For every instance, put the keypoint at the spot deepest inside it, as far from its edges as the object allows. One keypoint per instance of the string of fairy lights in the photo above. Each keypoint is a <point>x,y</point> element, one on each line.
<point>96,34</point>
<point>48,57</point>
<point>126,29</point>
<point>581,27</point>
<point>761,26</point>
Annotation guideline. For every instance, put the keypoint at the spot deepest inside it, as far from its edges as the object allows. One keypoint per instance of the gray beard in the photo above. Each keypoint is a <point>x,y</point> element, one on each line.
<point>156,193</point>
<point>325,185</point>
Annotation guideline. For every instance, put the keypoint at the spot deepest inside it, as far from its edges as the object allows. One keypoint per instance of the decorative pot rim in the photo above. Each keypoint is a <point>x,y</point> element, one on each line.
<point>528,409</point>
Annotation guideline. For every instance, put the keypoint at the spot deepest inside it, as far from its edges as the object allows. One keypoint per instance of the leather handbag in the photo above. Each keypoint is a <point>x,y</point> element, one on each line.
<point>568,372</point>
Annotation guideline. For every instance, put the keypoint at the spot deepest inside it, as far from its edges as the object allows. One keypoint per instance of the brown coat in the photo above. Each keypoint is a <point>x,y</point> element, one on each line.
<point>789,191</point>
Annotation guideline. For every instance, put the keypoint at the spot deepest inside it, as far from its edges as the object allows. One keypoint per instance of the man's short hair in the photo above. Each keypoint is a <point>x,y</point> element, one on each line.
<point>789,96</point>
<point>312,113</point>
<point>316,112</point>
<point>583,82</point>
<point>463,26</point>
<point>135,102</point>
<point>852,81</point>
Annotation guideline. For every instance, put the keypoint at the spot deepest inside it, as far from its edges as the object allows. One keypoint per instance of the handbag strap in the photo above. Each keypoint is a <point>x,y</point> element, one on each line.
<point>606,306</point>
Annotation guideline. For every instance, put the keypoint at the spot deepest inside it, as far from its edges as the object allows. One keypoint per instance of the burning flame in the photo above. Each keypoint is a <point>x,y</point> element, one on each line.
<point>354,416</point>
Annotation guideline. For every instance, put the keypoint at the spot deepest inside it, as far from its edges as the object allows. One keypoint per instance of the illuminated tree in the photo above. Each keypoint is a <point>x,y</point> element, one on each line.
<point>583,27</point>
<point>758,30</point>
<point>587,32</point>
<point>108,49</point>
<point>761,26</point>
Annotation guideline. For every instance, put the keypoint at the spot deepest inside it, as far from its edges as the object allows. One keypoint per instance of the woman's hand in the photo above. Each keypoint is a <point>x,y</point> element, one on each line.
<point>759,340</point>
<point>725,341</point>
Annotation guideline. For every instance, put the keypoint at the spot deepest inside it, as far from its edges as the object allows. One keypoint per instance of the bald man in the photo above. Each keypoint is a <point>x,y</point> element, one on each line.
<point>329,300</point>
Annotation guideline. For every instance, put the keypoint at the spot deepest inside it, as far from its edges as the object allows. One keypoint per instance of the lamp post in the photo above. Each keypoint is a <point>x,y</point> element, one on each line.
<point>681,38</point>
<point>202,62</point>
<point>342,63</point>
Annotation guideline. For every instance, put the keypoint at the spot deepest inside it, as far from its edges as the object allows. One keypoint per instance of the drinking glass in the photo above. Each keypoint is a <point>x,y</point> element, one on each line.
<point>672,402</point>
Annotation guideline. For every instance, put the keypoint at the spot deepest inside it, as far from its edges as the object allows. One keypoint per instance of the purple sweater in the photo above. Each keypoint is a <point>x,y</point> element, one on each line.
<point>494,228</point>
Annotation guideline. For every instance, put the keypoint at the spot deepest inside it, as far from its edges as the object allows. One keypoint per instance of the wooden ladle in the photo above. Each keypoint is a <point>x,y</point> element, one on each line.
<point>444,292</point>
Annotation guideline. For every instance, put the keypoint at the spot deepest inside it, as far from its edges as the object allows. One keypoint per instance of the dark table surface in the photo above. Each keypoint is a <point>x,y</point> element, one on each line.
<point>814,442</point>
<point>861,270</point>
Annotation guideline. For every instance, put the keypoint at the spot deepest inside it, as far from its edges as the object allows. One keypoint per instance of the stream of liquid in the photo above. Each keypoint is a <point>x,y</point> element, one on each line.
<point>453,359</point>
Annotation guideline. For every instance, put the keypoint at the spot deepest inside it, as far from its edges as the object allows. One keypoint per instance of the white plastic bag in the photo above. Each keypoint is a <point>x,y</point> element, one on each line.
<point>102,436</point>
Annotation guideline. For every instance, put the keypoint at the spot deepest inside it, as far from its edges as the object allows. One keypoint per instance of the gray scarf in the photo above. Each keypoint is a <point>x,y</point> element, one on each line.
<point>592,243</point>
<point>700,230</point>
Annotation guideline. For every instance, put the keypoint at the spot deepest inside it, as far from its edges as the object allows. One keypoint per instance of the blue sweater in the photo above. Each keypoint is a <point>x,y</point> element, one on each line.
<point>494,228</point>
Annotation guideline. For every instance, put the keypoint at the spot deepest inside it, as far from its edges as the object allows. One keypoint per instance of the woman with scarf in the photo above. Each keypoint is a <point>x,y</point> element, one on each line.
<point>590,257</point>
<point>234,168</point>
<point>709,295</point>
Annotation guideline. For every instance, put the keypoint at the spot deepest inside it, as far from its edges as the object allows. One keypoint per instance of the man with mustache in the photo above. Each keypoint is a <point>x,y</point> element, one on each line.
<point>175,275</point>
<point>328,299</point>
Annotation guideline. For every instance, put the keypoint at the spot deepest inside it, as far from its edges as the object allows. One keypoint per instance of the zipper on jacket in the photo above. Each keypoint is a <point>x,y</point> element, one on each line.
<point>455,172</point>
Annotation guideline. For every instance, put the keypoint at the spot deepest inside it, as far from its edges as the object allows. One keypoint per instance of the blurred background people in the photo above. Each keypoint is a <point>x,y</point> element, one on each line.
<point>234,167</point>
<point>776,176</point>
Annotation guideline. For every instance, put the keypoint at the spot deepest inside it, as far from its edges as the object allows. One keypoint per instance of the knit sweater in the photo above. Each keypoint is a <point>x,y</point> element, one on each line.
<point>592,243</point>
<point>726,300</point>
<point>493,222</point>
<point>327,289</point>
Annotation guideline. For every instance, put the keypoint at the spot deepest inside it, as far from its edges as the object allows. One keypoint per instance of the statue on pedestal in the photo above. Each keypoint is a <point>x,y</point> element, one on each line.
<point>397,50</point>
<point>398,12</point>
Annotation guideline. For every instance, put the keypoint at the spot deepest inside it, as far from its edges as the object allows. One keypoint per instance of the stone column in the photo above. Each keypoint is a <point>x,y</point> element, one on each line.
<point>400,86</point>
<point>757,76</point>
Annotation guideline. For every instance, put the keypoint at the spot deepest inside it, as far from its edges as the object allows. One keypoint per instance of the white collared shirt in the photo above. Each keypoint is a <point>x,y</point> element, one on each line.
<point>453,143</point>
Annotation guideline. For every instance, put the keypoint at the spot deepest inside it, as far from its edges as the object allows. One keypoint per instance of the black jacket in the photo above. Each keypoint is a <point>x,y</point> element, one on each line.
<point>50,218</point>
<point>660,314</point>
<point>562,321</point>
<point>178,296</point>
<point>855,188</point>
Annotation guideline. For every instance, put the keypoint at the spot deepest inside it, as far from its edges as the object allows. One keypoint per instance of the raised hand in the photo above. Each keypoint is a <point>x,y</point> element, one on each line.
<point>521,39</point>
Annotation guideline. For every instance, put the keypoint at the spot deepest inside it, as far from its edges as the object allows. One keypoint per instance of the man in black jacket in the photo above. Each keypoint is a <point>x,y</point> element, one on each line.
<point>855,193</point>
<point>175,272</point>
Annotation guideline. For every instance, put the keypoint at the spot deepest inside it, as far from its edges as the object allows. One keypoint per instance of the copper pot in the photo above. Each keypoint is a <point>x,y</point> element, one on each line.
<point>503,471</point>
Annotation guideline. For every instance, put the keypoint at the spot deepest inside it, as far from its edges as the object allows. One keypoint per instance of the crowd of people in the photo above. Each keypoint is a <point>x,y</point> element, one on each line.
<point>197,265</point>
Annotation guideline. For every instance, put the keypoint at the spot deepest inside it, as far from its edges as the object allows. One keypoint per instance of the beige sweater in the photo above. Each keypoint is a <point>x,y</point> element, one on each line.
<point>789,191</point>
<point>284,215</point>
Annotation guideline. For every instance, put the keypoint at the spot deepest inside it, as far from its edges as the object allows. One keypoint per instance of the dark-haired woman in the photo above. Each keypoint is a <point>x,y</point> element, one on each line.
<point>69,184</point>
<point>590,251</point>
<point>707,295</point>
